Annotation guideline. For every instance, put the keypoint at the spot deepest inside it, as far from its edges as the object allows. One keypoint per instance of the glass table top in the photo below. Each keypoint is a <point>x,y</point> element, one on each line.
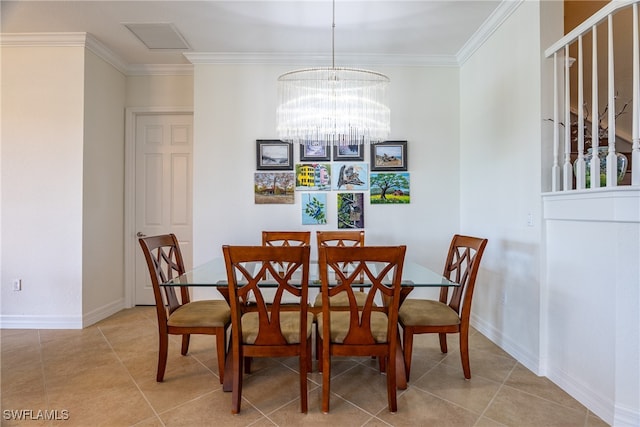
<point>214,273</point>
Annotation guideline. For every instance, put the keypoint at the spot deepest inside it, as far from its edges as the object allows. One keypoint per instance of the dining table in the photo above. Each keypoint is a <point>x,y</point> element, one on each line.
<point>213,273</point>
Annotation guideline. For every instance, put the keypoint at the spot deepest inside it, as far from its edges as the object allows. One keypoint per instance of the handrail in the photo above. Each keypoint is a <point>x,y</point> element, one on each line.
<point>610,8</point>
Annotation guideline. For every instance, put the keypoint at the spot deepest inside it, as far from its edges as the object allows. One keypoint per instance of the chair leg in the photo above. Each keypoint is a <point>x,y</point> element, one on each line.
<point>319,352</point>
<point>464,354</point>
<point>407,338</point>
<point>391,384</point>
<point>185,344</point>
<point>382,364</point>
<point>304,362</point>
<point>163,347</point>
<point>309,356</point>
<point>221,349</point>
<point>326,379</point>
<point>443,342</point>
<point>247,365</point>
<point>236,388</point>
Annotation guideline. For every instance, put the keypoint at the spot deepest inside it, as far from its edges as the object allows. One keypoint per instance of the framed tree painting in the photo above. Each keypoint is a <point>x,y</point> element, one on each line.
<point>345,152</point>
<point>389,156</point>
<point>350,210</point>
<point>270,188</point>
<point>311,151</point>
<point>273,154</point>
<point>389,188</point>
<point>314,208</point>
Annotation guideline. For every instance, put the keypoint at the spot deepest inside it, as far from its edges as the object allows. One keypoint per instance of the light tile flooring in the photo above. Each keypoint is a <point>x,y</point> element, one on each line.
<point>104,375</point>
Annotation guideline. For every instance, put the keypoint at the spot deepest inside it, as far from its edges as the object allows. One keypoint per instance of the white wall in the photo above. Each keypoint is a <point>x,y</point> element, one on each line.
<point>500,180</point>
<point>103,190</point>
<point>235,105</point>
<point>42,184</point>
<point>159,91</point>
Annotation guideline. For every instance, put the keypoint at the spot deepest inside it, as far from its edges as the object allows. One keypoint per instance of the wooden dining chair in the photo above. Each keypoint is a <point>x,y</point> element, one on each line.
<point>450,314</point>
<point>339,238</point>
<point>360,330</point>
<point>181,316</point>
<point>286,238</point>
<point>264,328</point>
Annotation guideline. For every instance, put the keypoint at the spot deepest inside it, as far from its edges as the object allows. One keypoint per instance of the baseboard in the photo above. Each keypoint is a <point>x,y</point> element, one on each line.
<point>27,321</point>
<point>103,312</point>
<point>598,404</point>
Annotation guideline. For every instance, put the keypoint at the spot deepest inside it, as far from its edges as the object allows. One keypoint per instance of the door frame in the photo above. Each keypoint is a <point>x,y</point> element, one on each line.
<point>130,246</point>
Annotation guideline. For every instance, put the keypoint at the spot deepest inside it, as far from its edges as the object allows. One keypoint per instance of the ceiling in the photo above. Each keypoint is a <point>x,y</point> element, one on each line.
<point>416,31</point>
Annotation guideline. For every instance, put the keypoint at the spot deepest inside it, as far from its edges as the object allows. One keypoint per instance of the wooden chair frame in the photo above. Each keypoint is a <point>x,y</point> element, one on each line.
<point>359,339</point>
<point>164,261</point>
<point>270,340</point>
<point>461,266</point>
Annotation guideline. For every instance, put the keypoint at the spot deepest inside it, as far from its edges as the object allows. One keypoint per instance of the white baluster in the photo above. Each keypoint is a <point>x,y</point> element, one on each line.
<point>555,169</point>
<point>635,151</point>
<point>612,159</point>
<point>594,172</point>
<point>580,168</point>
<point>567,173</point>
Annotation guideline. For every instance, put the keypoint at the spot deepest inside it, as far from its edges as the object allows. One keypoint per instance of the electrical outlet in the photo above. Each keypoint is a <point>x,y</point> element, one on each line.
<point>530,219</point>
<point>17,285</point>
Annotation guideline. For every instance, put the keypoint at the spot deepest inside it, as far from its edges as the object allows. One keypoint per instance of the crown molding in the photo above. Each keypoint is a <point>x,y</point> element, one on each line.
<point>85,40</point>
<point>320,60</point>
<point>488,27</point>
<point>160,70</point>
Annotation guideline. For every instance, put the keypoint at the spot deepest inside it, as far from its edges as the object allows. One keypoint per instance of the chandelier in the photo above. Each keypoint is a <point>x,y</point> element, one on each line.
<point>333,106</point>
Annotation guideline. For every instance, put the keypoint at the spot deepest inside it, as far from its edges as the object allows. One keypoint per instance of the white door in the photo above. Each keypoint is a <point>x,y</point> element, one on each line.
<point>163,188</point>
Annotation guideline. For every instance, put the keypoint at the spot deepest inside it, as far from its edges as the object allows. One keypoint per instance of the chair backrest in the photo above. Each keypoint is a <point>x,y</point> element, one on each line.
<point>164,260</point>
<point>462,265</point>
<point>286,238</point>
<point>340,238</point>
<point>247,266</point>
<point>381,268</point>
<point>348,238</point>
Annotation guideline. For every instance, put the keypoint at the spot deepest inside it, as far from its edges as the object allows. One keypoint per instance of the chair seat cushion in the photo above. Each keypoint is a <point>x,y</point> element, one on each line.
<point>340,325</point>
<point>289,325</point>
<point>341,299</point>
<point>205,313</point>
<point>424,312</point>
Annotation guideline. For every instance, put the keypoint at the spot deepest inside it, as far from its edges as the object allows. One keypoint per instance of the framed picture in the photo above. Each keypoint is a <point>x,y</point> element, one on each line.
<point>314,150</point>
<point>350,210</point>
<point>314,208</point>
<point>273,154</point>
<point>389,156</point>
<point>270,188</point>
<point>350,176</point>
<point>390,188</point>
<point>313,176</point>
<point>353,151</point>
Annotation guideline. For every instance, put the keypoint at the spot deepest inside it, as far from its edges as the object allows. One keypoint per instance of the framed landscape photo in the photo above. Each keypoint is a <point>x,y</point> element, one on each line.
<point>273,154</point>
<point>314,150</point>
<point>389,156</point>
<point>345,152</point>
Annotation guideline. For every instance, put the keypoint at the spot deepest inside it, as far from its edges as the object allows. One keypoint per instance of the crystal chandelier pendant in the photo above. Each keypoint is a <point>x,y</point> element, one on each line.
<point>333,106</point>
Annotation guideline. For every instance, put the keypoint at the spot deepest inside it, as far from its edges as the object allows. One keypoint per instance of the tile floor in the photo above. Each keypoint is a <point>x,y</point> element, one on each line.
<point>104,375</point>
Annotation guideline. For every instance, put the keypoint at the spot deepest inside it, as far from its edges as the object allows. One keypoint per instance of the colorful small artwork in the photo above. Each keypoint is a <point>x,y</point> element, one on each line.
<point>274,188</point>
<point>350,210</point>
<point>314,208</point>
<point>389,188</point>
<point>313,176</point>
<point>350,176</point>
